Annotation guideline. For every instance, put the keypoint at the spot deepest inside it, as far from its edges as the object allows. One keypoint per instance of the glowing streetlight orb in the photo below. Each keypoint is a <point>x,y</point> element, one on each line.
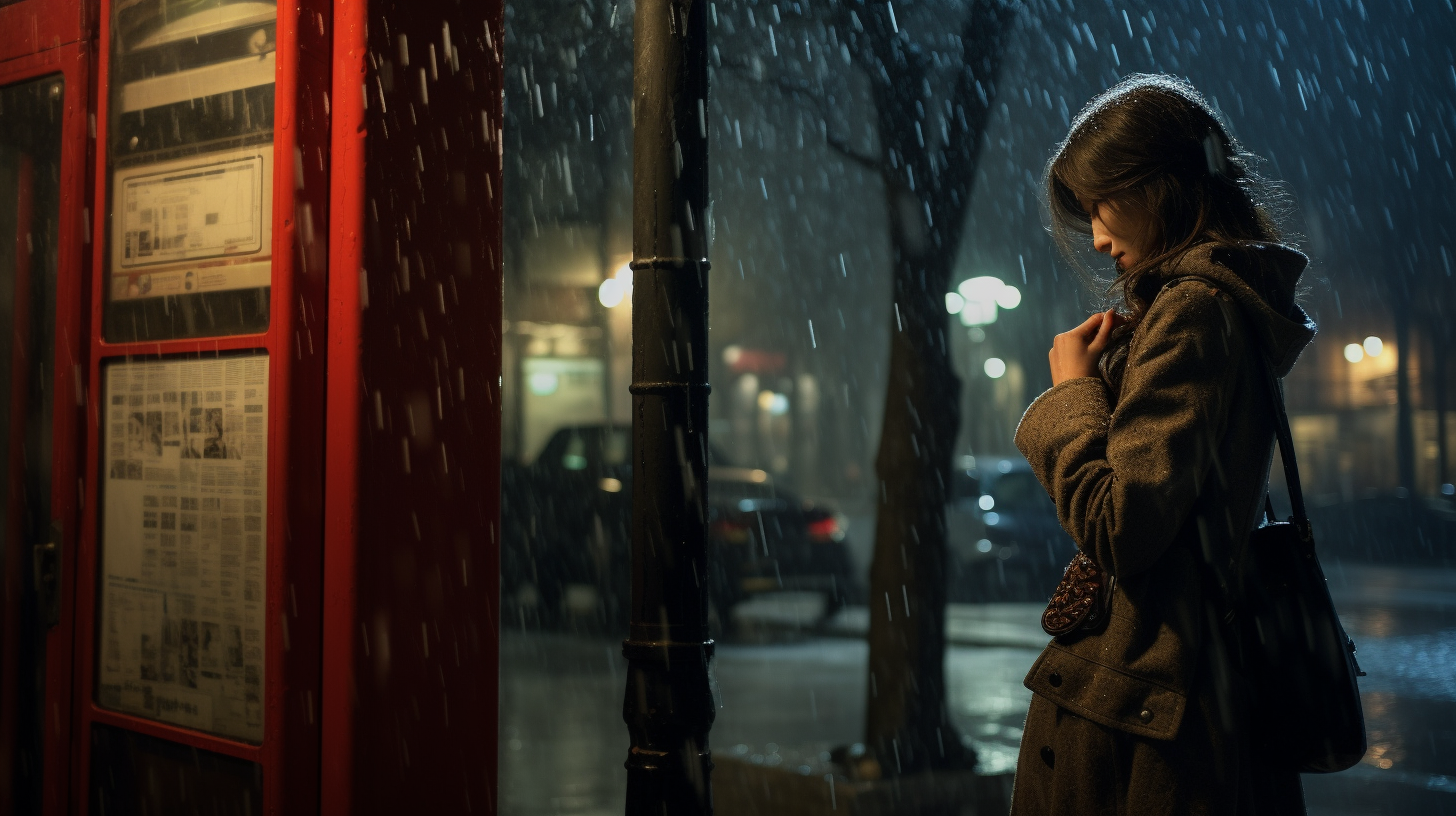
<point>1009,297</point>
<point>981,287</point>
<point>954,302</point>
<point>980,297</point>
<point>1373,346</point>
<point>611,292</point>
<point>995,368</point>
<point>1354,352</point>
<point>616,290</point>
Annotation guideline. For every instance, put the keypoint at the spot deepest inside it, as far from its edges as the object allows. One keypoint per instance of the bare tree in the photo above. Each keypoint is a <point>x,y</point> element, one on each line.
<point>932,101</point>
<point>929,149</point>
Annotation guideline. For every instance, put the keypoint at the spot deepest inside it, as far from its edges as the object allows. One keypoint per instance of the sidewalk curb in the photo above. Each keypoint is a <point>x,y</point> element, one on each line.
<point>853,623</point>
<point>742,788</point>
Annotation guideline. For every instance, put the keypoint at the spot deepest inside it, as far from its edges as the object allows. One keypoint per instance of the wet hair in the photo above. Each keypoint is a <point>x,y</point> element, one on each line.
<point>1153,145</point>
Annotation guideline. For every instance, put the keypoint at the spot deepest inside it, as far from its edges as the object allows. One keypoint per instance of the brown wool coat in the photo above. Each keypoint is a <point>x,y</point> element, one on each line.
<point>1155,483</point>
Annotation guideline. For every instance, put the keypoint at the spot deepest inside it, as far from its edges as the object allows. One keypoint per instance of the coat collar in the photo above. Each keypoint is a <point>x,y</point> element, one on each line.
<point>1261,278</point>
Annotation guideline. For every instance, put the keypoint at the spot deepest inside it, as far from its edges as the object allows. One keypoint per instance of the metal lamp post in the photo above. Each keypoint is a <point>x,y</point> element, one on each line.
<point>669,706</point>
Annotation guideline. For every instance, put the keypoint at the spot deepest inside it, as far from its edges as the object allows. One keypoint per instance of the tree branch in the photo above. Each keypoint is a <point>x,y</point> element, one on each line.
<point>982,53</point>
<point>982,42</point>
<point>863,159</point>
<point>817,99</point>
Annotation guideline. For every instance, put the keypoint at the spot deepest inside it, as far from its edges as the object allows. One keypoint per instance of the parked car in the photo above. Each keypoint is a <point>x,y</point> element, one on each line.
<point>566,523</point>
<point>1022,549</point>
<point>763,538</point>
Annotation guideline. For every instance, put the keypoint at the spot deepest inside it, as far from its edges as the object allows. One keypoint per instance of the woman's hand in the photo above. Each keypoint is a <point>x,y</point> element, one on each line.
<point>1075,353</point>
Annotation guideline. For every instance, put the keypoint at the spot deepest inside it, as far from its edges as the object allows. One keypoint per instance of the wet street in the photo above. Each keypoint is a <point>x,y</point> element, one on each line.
<point>784,692</point>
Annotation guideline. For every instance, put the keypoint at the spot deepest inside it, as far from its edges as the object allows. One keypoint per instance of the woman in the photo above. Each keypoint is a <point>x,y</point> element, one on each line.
<point>1155,442</point>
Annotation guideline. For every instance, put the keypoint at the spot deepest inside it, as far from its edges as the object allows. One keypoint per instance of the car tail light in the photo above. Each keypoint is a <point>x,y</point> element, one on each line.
<point>732,532</point>
<point>825,530</point>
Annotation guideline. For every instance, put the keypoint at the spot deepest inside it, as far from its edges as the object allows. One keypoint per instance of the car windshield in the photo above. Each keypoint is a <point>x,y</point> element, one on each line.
<point>593,447</point>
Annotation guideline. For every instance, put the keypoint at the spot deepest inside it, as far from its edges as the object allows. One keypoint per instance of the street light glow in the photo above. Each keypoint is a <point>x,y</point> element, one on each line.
<point>610,293</point>
<point>1009,297</point>
<point>954,302</point>
<point>1373,346</point>
<point>979,298</point>
<point>1354,353</point>
<point>616,290</point>
<point>995,367</point>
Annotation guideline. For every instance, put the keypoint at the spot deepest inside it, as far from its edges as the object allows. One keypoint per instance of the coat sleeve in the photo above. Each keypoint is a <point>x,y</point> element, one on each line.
<point>1125,480</point>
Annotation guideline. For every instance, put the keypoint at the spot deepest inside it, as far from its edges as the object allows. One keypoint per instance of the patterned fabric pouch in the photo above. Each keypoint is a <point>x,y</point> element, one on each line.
<point>1082,602</point>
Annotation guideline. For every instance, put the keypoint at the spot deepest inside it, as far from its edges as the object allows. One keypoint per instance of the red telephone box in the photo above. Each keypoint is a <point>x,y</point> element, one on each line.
<point>261,373</point>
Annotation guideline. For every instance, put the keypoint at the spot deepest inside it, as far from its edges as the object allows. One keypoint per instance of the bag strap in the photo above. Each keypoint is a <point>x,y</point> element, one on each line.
<point>1286,454</point>
<point>1282,435</point>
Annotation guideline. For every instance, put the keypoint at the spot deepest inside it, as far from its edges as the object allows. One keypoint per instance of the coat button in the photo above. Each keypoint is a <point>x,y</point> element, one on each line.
<point>1146,716</point>
<point>1048,756</point>
<point>1055,679</point>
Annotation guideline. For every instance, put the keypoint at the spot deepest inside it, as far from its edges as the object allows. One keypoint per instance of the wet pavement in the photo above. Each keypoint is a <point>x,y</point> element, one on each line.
<point>789,686</point>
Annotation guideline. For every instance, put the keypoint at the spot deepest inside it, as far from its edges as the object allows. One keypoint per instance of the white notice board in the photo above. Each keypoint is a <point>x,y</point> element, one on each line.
<point>184,542</point>
<point>199,224</point>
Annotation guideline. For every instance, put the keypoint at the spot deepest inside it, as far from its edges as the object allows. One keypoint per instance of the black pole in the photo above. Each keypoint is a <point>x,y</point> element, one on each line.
<point>669,705</point>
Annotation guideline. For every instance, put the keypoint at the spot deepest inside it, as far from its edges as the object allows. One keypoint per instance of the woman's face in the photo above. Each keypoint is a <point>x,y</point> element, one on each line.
<point>1123,232</point>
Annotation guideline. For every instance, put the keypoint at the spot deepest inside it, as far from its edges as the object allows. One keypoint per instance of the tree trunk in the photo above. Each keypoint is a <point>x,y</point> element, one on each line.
<point>907,721</point>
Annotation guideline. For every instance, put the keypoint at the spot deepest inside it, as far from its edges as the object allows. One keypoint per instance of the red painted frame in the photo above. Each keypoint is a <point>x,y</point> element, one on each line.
<point>33,26</point>
<point>341,494</point>
<point>69,59</point>
<point>423,588</point>
<point>295,343</point>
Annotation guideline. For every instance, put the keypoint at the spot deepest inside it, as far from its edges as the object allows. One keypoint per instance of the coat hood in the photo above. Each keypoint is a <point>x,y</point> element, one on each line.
<point>1261,279</point>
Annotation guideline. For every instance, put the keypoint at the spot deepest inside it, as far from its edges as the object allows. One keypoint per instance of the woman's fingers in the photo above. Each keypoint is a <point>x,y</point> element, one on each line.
<point>1089,326</point>
<point>1103,333</point>
<point>1075,353</point>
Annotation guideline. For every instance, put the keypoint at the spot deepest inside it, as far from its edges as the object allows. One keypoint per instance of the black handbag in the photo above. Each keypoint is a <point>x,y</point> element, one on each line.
<point>1299,662</point>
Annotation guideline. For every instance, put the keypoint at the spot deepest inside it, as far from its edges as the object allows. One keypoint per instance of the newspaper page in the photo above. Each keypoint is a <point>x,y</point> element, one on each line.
<point>183,542</point>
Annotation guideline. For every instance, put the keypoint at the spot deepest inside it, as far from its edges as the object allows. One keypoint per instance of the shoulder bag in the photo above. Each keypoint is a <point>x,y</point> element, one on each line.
<point>1299,662</point>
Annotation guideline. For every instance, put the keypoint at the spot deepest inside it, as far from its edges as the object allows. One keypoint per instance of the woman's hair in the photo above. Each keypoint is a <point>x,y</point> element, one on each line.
<point>1153,145</point>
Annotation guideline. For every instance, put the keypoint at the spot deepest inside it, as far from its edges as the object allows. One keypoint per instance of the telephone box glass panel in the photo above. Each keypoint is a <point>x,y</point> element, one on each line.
<point>183,542</point>
<point>190,155</point>
<point>31,114</point>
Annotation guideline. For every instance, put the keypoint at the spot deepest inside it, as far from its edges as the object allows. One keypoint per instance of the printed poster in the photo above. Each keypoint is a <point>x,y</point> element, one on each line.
<point>201,224</point>
<point>184,543</point>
